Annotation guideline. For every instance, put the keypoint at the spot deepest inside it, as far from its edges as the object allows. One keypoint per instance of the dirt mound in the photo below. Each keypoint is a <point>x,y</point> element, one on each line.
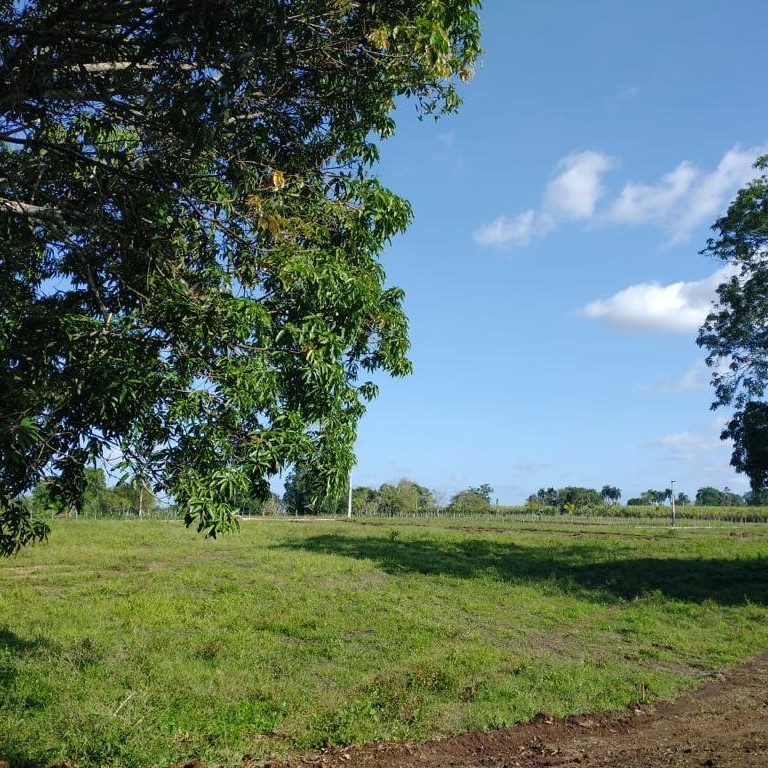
<point>723,724</point>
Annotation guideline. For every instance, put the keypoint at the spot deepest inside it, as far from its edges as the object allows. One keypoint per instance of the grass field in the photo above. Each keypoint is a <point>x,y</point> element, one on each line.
<point>138,643</point>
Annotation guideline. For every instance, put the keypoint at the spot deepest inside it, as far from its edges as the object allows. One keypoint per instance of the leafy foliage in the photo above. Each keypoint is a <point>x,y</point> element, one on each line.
<point>189,236</point>
<point>735,333</point>
<point>749,431</point>
<point>472,500</point>
<point>406,497</point>
<point>569,500</point>
<point>304,494</point>
<point>713,497</point>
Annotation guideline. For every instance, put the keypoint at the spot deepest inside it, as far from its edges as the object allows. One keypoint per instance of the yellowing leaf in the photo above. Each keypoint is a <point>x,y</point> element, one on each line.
<point>253,202</point>
<point>278,180</point>
<point>273,224</point>
<point>466,74</point>
<point>379,37</point>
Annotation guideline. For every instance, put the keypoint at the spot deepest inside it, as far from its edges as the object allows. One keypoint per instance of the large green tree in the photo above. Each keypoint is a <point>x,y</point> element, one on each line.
<point>749,431</point>
<point>190,231</point>
<point>735,332</point>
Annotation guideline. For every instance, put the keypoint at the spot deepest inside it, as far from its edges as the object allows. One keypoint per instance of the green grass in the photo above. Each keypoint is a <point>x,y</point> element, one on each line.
<point>138,643</point>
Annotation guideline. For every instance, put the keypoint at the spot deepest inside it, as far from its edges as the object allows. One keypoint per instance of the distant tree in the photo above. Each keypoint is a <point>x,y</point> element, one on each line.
<point>139,491</point>
<point>389,499</point>
<point>364,500</point>
<point>470,501</point>
<point>573,498</point>
<point>544,497</point>
<point>257,505</point>
<point>305,494</point>
<point>610,493</point>
<point>484,490</point>
<point>682,499</point>
<point>126,498</point>
<point>652,497</point>
<point>272,506</point>
<point>93,485</point>
<point>712,497</point>
<point>757,498</point>
<point>118,501</point>
<point>406,497</point>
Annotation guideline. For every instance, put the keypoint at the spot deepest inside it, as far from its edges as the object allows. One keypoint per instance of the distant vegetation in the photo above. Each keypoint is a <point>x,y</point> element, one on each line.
<point>130,497</point>
<point>408,498</point>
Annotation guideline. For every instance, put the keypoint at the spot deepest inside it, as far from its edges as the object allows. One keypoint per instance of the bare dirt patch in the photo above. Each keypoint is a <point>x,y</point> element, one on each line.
<point>722,724</point>
<point>24,570</point>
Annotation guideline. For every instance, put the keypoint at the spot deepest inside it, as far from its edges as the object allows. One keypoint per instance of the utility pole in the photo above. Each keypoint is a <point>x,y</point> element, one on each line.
<point>672,490</point>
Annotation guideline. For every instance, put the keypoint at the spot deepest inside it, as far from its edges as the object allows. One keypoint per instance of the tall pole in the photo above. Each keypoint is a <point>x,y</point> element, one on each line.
<point>672,490</point>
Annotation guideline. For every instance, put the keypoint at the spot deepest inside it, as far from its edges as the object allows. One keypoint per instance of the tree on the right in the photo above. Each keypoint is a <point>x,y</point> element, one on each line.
<point>735,333</point>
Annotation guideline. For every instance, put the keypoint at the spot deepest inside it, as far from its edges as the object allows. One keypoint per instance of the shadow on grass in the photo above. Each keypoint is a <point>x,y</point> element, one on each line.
<point>13,649</point>
<point>589,570</point>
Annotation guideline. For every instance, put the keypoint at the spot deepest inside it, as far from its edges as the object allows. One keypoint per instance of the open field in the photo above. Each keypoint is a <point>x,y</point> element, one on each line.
<point>138,643</point>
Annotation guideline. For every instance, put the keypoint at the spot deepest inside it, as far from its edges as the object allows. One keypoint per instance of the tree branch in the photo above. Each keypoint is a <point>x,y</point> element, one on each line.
<point>31,211</point>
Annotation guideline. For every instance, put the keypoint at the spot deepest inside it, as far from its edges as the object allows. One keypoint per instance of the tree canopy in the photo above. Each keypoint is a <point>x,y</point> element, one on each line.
<point>189,236</point>
<point>474,500</point>
<point>735,332</point>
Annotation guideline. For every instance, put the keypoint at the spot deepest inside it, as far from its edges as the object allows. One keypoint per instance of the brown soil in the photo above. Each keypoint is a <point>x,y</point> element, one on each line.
<point>723,724</point>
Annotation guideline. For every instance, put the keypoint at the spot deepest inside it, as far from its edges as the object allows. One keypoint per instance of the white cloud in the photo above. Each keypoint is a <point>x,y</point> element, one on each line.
<point>686,197</point>
<point>713,191</point>
<point>685,445</point>
<point>678,307</point>
<point>518,232</point>
<point>574,192</point>
<point>682,200</point>
<point>638,203</point>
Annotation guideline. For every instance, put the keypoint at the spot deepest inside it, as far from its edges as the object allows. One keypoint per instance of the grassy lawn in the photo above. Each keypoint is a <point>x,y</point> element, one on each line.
<point>138,643</point>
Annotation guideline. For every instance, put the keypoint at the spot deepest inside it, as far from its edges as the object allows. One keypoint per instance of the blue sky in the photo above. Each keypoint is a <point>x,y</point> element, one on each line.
<point>552,273</point>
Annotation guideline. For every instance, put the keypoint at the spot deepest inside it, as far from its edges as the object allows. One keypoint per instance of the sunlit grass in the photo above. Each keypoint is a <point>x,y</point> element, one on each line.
<point>138,643</point>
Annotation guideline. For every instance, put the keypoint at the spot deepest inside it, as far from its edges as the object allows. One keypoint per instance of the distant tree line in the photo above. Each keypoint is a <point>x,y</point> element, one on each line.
<point>303,496</point>
<point>131,496</point>
<point>573,499</point>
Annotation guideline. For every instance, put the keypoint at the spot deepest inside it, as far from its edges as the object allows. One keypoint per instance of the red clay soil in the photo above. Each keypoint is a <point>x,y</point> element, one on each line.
<point>723,724</point>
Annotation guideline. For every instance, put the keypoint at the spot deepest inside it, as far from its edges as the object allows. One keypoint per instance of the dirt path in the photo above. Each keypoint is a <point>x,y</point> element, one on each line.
<point>723,724</point>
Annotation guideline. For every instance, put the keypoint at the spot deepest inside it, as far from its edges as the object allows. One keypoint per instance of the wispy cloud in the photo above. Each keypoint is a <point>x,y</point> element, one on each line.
<point>678,307</point>
<point>638,203</point>
<point>517,232</point>
<point>572,195</point>
<point>686,445</point>
<point>696,377</point>
<point>681,200</point>
<point>687,196</point>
